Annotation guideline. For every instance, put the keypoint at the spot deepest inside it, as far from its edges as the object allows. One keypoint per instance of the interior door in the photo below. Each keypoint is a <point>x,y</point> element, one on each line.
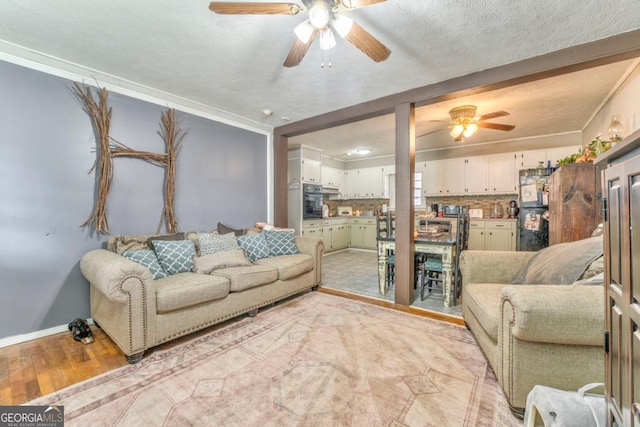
<point>622,292</point>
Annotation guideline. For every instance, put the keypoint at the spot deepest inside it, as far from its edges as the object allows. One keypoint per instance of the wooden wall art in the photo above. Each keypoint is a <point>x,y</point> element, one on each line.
<point>95,105</point>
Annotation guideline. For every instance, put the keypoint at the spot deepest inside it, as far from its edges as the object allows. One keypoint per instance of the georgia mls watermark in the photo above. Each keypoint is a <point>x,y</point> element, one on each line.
<point>31,416</point>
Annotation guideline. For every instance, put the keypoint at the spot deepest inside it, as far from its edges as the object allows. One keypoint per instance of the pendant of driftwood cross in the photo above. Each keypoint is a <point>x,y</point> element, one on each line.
<point>95,105</point>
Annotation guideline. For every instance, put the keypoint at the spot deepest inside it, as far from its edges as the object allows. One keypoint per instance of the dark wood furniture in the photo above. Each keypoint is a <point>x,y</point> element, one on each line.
<point>621,190</point>
<point>575,202</point>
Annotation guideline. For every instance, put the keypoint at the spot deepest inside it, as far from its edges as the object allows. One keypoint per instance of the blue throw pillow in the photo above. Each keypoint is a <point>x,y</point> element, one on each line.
<point>147,259</point>
<point>281,242</point>
<point>256,246</point>
<point>175,256</point>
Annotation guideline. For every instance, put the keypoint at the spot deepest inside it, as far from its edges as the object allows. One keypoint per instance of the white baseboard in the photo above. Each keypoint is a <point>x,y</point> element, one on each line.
<point>17,339</point>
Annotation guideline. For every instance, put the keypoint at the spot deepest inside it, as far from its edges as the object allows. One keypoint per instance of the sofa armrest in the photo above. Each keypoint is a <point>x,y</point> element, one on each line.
<point>492,266</point>
<point>312,246</point>
<point>123,300</point>
<point>558,314</point>
<point>107,271</point>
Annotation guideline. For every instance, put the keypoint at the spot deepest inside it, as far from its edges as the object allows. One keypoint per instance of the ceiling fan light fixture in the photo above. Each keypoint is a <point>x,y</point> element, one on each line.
<point>342,24</point>
<point>319,16</point>
<point>327,40</point>
<point>457,130</point>
<point>470,129</point>
<point>304,31</point>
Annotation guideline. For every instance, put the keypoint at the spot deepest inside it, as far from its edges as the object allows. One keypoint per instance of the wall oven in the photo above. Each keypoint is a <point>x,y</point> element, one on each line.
<point>311,201</point>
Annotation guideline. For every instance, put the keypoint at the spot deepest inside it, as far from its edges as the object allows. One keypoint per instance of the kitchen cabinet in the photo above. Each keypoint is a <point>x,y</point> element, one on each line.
<point>332,177</point>
<point>575,202</point>
<point>335,234</point>
<point>476,175</point>
<point>462,176</point>
<point>312,228</point>
<point>530,159</point>
<point>503,177</point>
<point>365,183</point>
<point>363,233</point>
<point>432,177</point>
<point>305,164</point>
<point>453,177</point>
<point>492,235</point>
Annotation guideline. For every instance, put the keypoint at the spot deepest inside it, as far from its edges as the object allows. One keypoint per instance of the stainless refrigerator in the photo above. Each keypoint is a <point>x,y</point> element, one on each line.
<point>534,201</point>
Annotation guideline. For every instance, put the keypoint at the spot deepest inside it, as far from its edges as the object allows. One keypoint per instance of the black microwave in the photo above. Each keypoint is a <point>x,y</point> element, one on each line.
<point>454,210</point>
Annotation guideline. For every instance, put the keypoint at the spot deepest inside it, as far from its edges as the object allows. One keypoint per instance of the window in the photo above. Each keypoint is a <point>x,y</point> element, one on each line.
<point>417,191</point>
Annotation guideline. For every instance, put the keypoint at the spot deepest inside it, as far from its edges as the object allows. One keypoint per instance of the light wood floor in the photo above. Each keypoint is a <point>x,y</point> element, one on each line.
<point>41,366</point>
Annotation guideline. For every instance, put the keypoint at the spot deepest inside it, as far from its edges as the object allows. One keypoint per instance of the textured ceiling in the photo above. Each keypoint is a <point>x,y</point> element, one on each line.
<point>232,65</point>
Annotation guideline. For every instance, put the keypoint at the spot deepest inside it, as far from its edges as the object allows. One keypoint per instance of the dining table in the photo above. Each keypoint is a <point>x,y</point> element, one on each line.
<point>440,244</point>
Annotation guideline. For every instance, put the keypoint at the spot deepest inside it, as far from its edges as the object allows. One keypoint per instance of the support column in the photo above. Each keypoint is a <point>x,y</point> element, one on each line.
<point>405,168</point>
<point>280,193</point>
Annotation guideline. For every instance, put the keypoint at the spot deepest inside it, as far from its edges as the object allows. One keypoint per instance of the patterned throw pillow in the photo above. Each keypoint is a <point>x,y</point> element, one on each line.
<point>211,243</point>
<point>147,258</point>
<point>207,263</point>
<point>281,242</point>
<point>256,246</point>
<point>175,256</point>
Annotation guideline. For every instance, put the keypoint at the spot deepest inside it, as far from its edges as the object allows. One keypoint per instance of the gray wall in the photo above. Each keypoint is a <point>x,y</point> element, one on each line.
<point>46,150</point>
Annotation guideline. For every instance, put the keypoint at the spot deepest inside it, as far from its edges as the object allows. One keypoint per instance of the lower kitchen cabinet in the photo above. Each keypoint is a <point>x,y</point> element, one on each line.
<point>312,228</point>
<point>493,234</point>
<point>335,234</point>
<point>363,233</point>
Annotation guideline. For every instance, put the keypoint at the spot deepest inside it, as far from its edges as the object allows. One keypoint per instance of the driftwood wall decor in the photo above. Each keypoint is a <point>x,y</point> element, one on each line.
<point>95,105</point>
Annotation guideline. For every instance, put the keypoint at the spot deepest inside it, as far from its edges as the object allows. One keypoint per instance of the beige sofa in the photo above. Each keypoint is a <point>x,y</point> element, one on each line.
<point>532,334</point>
<point>139,312</point>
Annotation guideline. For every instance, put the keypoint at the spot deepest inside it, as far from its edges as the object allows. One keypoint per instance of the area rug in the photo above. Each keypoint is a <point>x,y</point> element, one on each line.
<point>315,360</point>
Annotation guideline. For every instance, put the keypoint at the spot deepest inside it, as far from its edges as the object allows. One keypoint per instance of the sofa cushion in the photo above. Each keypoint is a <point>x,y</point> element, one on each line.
<point>211,243</point>
<point>256,246</point>
<point>242,278</point>
<point>148,259</point>
<point>281,242</point>
<point>560,264</point>
<point>207,263</point>
<point>175,256</point>
<point>289,266</point>
<point>188,289</point>
<point>483,300</point>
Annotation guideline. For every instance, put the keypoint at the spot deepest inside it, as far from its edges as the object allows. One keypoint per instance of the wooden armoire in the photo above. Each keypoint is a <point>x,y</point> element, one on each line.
<point>575,202</point>
<point>621,198</point>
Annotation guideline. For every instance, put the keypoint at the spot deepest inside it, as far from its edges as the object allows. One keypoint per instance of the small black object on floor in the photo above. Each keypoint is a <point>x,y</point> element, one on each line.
<point>81,332</point>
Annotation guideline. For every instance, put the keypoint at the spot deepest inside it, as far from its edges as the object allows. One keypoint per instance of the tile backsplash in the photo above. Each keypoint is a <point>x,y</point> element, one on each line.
<point>473,202</point>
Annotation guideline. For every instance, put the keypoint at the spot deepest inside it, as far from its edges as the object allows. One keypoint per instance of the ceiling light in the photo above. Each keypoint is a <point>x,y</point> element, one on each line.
<point>304,31</point>
<point>319,16</point>
<point>364,151</point>
<point>342,24</point>
<point>470,129</point>
<point>464,121</point>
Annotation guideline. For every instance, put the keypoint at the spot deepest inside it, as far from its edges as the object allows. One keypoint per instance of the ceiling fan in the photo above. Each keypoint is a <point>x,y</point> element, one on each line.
<point>465,123</point>
<point>323,18</point>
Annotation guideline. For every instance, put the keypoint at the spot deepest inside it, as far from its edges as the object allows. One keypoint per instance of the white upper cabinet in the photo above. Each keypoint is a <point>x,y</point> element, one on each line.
<point>477,175</point>
<point>331,177</point>
<point>454,176</point>
<point>310,161</point>
<point>432,177</point>
<point>556,154</point>
<point>502,174</point>
<point>530,159</point>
